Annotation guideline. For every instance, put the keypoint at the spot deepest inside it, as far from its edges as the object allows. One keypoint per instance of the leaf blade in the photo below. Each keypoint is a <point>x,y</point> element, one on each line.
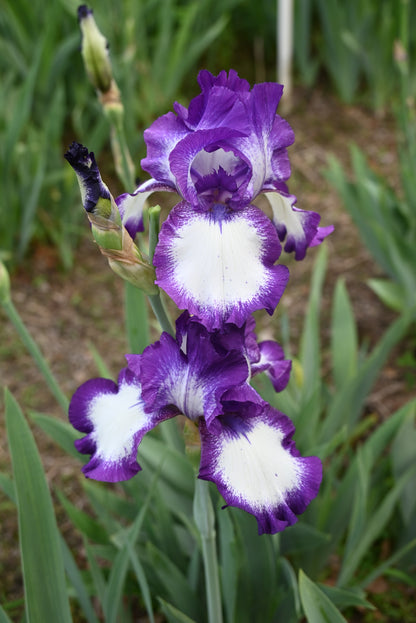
<point>42,560</point>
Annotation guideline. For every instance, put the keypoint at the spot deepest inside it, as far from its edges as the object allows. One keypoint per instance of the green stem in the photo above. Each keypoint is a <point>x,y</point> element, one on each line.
<point>121,153</point>
<point>154,225</point>
<point>136,317</point>
<point>36,354</point>
<point>205,521</point>
<point>160,313</point>
<point>127,176</point>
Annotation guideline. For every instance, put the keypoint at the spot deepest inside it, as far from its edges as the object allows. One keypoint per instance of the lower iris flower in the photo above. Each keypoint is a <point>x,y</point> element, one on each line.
<point>246,445</point>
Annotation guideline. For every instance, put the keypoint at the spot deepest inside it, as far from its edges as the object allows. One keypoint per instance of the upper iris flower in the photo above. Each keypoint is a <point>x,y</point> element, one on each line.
<point>217,252</point>
<point>246,446</point>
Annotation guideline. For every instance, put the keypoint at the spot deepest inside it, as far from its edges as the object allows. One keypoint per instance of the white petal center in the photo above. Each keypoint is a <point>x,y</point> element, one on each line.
<point>116,418</point>
<point>208,162</point>
<point>256,468</point>
<point>132,206</point>
<point>187,393</point>
<point>283,213</point>
<point>219,263</point>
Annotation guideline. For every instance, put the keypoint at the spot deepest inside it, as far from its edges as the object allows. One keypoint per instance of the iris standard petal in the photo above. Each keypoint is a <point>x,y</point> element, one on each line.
<point>321,234</point>
<point>225,115</point>
<point>256,467</point>
<point>161,138</point>
<point>220,264</point>
<point>266,146</point>
<point>115,421</point>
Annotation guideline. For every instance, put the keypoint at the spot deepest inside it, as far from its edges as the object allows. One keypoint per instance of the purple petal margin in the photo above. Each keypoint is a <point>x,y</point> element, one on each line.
<point>256,467</point>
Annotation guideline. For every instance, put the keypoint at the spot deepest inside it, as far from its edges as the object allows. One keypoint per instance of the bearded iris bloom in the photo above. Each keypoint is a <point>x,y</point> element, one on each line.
<point>246,445</point>
<point>216,257</point>
<point>217,252</point>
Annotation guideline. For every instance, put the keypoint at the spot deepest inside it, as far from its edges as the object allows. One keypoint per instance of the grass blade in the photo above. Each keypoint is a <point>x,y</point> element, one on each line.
<point>173,614</point>
<point>3,616</point>
<point>60,431</point>
<point>344,344</point>
<point>310,351</point>
<point>348,403</point>
<point>42,560</point>
<point>373,528</point>
<point>78,584</point>
<point>317,606</point>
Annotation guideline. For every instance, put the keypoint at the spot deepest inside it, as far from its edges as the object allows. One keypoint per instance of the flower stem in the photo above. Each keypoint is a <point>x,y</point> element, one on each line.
<point>36,354</point>
<point>205,521</point>
<point>121,154</point>
<point>136,318</point>
<point>160,313</point>
<point>154,222</point>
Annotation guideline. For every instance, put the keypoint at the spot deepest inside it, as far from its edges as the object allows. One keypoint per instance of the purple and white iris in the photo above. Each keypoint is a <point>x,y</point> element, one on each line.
<point>219,154</point>
<point>216,258</point>
<point>246,446</point>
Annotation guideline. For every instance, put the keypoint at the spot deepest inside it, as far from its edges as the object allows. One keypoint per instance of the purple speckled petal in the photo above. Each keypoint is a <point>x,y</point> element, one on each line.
<point>115,421</point>
<point>188,373</point>
<point>220,264</point>
<point>298,227</point>
<point>152,186</point>
<point>256,466</point>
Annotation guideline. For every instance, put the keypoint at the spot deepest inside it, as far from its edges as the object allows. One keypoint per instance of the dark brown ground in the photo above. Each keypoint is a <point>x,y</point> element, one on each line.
<point>68,312</point>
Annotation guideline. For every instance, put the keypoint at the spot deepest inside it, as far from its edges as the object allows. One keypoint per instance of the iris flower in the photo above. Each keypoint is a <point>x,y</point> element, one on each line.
<point>217,251</point>
<point>247,448</point>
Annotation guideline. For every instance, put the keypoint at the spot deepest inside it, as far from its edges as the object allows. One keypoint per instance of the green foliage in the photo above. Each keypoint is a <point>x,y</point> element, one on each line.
<point>37,192</point>
<point>40,546</point>
<point>356,45</point>
<point>316,605</point>
<point>44,99</point>
<point>385,221</point>
<point>141,539</point>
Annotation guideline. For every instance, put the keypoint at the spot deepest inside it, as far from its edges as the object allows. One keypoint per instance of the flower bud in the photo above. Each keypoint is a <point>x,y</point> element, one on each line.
<point>123,255</point>
<point>94,50</point>
<point>109,233</point>
<point>96,198</point>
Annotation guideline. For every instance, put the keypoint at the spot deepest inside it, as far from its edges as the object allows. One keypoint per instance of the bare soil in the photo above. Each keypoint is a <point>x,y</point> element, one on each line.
<point>67,312</point>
